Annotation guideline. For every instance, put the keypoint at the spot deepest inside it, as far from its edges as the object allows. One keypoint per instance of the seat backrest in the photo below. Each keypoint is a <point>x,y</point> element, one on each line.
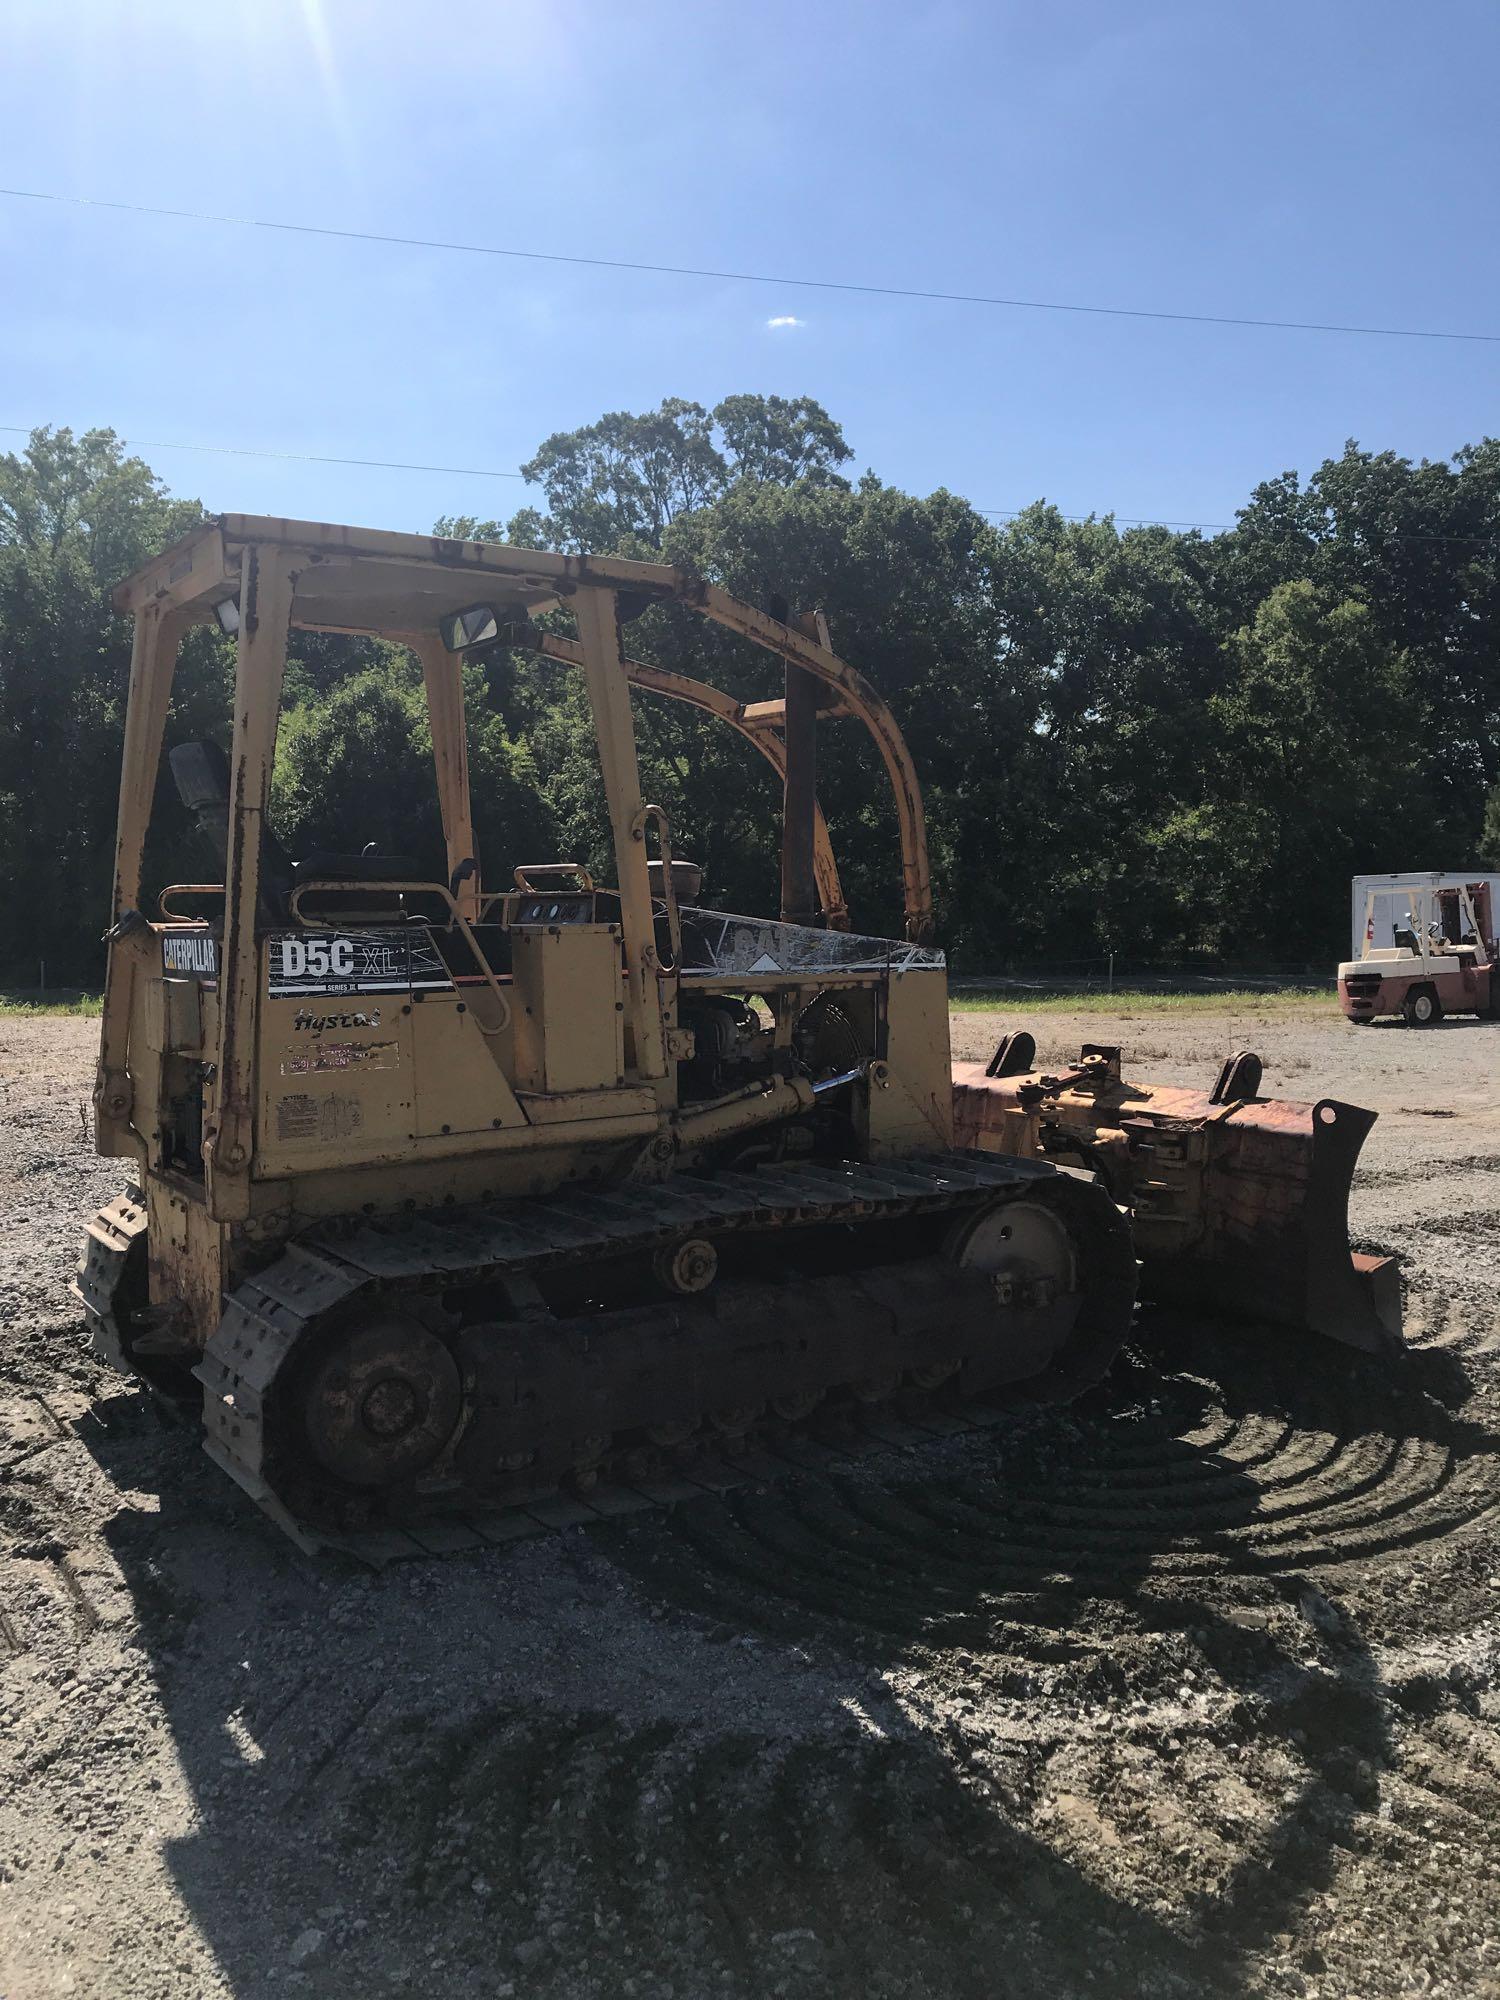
<point>200,772</point>
<point>359,867</point>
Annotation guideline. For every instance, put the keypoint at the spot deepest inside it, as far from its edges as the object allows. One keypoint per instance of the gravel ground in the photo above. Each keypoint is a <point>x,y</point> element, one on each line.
<point>1188,1690</point>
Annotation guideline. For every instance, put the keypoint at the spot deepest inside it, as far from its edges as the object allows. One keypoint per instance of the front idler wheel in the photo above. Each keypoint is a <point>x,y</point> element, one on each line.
<point>1062,1267</point>
<point>1027,1248</point>
<point>381,1402</point>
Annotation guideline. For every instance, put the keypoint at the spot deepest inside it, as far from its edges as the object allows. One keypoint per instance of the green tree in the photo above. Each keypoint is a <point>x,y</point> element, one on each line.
<point>76,514</point>
<point>1489,836</point>
<point>781,441</point>
<point>1145,742</point>
<point>615,486</point>
<point>1419,545</point>
<point>1312,779</point>
<point>354,766</point>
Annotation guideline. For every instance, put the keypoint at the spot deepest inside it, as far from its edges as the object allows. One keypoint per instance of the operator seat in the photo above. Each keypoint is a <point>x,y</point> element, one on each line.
<point>687,887</point>
<point>201,774</point>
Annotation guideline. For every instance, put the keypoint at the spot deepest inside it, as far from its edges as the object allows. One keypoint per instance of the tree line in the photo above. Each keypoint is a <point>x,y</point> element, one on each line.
<point>1160,744</point>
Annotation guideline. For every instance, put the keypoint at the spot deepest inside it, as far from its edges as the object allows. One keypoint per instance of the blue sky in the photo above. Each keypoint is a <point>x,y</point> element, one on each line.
<point>1332,159</point>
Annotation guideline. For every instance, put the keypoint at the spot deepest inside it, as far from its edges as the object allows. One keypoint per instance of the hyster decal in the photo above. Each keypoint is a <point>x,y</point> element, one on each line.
<point>190,954</point>
<point>319,1024</point>
<point>332,963</point>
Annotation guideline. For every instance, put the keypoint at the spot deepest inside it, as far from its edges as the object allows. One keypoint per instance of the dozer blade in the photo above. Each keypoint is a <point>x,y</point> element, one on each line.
<point>1275,1237</point>
<point>1240,1204</point>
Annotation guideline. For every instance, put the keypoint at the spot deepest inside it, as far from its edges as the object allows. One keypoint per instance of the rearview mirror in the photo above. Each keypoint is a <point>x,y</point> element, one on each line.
<point>474,627</point>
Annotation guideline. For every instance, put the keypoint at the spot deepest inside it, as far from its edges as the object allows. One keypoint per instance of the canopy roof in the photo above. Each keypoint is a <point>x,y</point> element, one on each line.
<point>370,580</point>
<point>392,586</point>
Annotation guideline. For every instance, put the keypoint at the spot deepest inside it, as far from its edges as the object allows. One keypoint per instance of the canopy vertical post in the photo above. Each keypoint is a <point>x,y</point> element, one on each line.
<point>799,887</point>
<point>153,659</point>
<point>598,618</point>
<point>267,581</point>
<point>442,675</point>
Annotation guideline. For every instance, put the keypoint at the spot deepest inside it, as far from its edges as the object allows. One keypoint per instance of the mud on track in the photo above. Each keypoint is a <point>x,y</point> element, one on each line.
<point>1189,1689</point>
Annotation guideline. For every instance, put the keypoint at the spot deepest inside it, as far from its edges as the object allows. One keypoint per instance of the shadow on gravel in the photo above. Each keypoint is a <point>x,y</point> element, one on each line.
<point>1215,1524</point>
<point>1453,1022</point>
<point>965,1727</point>
<point>406,1786</point>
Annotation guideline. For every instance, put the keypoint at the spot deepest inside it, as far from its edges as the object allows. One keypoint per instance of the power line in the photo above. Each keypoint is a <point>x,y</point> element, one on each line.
<point>1126,520</point>
<point>741,277</point>
<point>490,472</point>
<point>304,457</point>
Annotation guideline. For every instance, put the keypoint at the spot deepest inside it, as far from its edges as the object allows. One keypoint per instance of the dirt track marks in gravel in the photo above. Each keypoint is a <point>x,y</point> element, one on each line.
<point>1189,1689</point>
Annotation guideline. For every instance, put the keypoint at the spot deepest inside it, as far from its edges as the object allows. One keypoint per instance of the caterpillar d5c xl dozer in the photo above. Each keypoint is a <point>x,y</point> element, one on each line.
<point>452,1194</point>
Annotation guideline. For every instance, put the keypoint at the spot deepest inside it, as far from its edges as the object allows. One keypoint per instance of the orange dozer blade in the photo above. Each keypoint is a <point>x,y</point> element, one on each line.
<point>1240,1204</point>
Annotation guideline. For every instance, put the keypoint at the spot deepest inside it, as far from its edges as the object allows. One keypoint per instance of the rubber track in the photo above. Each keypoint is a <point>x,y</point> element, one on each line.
<point>323,1270</point>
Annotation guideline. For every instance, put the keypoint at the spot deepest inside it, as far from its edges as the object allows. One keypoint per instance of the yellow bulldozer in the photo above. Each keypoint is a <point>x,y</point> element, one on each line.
<point>454,1190</point>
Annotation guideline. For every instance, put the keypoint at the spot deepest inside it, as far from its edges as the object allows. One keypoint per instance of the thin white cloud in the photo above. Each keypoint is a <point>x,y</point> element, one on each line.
<point>786,319</point>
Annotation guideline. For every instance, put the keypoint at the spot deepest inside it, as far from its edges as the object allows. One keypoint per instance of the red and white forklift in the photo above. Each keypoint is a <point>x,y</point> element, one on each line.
<point>1429,949</point>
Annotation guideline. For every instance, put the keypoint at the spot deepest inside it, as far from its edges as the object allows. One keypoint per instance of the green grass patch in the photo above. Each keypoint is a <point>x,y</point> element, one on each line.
<point>26,1006</point>
<point>998,1000</point>
<point>1016,1000</point>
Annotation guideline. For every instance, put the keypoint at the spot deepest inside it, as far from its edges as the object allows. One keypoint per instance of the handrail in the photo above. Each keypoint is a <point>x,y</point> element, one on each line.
<point>186,889</point>
<point>294,909</point>
<point>526,869</point>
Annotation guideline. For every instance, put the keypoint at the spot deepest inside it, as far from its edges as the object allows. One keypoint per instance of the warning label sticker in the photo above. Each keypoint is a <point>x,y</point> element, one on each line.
<point>329,962</point>
<point>317,1118</point>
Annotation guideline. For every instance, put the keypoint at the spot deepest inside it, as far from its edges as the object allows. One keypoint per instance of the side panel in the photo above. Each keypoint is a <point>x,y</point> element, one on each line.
<point>568,1020</point>
<point>368,1067</point>
<point>461,1081</point>
<point>336,1078</point>
<point>913,1110</point>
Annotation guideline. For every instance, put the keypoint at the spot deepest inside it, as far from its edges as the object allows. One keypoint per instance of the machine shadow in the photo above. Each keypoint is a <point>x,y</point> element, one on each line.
<point>776,1741</point>
<point>1207,1516</point>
